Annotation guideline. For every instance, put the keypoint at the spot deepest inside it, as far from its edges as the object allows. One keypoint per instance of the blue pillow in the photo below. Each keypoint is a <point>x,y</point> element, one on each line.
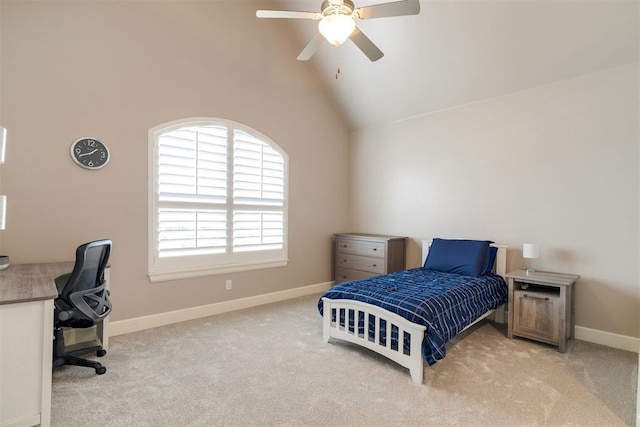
<point>491,259</point>
<point>467,257</point>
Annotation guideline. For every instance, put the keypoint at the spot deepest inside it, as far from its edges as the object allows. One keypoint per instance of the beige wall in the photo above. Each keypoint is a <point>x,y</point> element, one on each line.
<point>556,165</point>
<point>112,70</point>
<point>2,238</point>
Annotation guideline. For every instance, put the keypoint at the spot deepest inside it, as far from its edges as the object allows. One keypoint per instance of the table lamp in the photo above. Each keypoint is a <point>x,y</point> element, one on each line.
<point>530,251</point>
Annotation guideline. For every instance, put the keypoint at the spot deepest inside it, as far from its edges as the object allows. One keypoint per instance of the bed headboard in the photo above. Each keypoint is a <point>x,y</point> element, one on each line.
<point>501,256</point>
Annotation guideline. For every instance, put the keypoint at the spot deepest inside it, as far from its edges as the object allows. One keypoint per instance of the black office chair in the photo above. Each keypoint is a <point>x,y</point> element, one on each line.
<point>83,301</point>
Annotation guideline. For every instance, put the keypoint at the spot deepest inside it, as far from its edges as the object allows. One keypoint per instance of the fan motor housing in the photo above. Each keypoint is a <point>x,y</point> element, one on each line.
<point>337,7</point>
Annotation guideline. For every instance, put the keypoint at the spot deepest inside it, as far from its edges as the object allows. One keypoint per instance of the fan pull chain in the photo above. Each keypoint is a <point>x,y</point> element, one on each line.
<point>338,62</point>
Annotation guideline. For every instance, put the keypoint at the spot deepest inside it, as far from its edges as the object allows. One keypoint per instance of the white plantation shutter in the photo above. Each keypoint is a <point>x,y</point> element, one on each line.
<point>258,195</point>
<point>181,231</point>
<point>192,179</point>
<point>219,199</point>
<point>258,172</point>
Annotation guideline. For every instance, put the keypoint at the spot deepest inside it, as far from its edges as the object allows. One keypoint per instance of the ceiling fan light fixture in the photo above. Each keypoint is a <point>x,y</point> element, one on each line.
<point>336,28</point>
<point>338,23</point>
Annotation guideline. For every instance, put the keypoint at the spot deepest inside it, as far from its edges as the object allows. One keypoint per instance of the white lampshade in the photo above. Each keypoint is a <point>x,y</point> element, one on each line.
<point>3,211</point>
<point>336,28</point>
<point>3,143</point>
<point>530,250</point>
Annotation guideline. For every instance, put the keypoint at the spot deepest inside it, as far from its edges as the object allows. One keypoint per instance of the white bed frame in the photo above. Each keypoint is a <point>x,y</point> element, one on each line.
<point>411,360</point>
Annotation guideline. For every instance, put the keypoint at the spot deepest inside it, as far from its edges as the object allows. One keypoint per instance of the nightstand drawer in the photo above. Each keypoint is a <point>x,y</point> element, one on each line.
<point>345,275</point>
<point>362,263</point>
<point>360,247</point>
<point>537,315</point>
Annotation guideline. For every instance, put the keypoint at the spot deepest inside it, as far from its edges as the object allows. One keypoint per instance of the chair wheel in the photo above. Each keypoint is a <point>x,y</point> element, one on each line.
<point>101,370</point>
<point>101,353</point>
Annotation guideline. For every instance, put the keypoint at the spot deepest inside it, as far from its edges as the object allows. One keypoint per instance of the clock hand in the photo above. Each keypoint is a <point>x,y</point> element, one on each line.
<point>87,154</point>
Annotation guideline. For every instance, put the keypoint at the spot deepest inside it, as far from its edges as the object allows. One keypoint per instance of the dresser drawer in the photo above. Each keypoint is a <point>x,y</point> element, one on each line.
<point>344,275</point>
<point>360,247</point>
<point>358,262</point>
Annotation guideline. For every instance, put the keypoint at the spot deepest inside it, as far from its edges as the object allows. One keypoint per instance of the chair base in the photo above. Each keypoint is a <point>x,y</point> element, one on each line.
<point>62,357</point>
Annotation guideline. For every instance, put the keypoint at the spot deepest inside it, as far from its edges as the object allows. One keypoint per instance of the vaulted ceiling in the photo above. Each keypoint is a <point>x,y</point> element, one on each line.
<point>457,52</point>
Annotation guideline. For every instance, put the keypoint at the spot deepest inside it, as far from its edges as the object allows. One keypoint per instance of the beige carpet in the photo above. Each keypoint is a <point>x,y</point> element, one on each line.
<point>268,366</point>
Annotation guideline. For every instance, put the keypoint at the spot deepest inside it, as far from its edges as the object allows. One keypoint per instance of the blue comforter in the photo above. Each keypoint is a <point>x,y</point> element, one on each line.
<point>443,302</point>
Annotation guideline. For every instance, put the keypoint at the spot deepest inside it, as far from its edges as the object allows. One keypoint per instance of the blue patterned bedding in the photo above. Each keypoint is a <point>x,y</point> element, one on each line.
<point>443,302</point>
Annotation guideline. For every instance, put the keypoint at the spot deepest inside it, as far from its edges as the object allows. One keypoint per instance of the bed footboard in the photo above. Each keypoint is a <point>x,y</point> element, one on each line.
<point>353,320</point>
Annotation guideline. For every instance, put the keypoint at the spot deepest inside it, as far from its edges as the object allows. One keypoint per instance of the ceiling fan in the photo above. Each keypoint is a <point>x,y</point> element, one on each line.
<point>338,23</point>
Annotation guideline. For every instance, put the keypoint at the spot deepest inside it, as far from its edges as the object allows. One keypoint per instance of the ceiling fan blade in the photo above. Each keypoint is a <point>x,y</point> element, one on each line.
<point>311,48</point>
<point>365,45</point>
<point>383,10</point>
<point>287,14</point>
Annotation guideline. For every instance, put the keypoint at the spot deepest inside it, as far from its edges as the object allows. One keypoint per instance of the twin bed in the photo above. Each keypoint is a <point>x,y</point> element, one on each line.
<point>411,314</point>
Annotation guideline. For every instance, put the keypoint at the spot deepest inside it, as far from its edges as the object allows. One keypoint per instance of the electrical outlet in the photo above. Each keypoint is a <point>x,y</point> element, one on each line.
<point>229,285</point>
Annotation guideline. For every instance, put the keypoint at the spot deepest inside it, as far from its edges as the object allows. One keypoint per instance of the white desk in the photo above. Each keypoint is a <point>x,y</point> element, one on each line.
<point>27,292</point>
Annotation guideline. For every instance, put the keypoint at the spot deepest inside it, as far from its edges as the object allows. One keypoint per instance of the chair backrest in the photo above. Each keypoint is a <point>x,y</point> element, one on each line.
<point>85,288</point>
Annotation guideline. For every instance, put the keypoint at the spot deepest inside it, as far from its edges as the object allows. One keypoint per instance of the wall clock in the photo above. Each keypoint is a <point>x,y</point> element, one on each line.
<point>89,153</point>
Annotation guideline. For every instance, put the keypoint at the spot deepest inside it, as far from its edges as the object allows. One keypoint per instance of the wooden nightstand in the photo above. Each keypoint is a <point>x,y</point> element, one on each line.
<point>541,306</point>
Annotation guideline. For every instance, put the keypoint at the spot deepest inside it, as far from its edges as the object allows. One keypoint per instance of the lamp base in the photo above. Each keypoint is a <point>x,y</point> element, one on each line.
<point>529,271</point>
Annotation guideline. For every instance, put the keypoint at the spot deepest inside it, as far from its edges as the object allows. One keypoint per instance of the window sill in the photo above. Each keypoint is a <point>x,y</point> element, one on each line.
<point>212,271</point>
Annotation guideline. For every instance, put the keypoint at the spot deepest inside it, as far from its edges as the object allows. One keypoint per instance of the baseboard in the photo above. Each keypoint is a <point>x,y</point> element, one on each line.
<point>120,327</point>
<point>609,339</point>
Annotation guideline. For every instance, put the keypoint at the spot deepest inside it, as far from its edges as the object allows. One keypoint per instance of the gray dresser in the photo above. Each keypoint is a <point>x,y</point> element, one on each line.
<point>361,255</point>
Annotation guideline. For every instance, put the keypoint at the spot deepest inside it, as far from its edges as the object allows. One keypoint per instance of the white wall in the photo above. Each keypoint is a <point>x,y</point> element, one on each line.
<point>556,165</point>
<point>113,70</point>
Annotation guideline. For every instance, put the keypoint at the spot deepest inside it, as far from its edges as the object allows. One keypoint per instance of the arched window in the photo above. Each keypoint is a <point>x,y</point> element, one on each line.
<point>217,199</point>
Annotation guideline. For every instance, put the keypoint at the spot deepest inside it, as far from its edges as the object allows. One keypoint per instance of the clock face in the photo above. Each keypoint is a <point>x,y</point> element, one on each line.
<point>89,153</point>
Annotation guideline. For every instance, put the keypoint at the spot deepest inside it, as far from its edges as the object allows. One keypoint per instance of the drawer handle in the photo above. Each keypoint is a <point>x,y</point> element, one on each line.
<point>375,265</point>
<point>375,249</point>
<point>538,298</point>
<point>345,246</point>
